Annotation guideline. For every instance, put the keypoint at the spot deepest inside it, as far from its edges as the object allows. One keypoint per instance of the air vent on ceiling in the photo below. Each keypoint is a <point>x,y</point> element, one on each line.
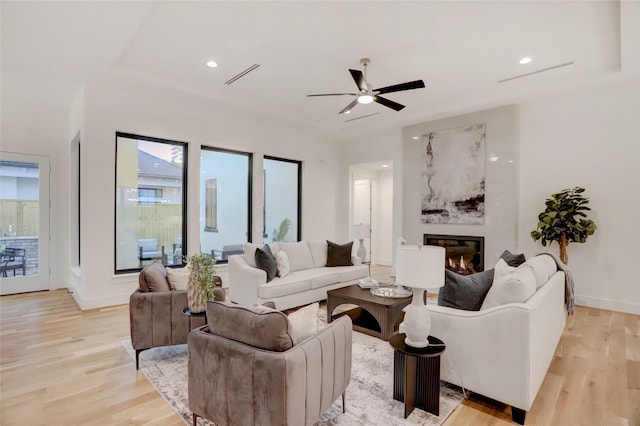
<point>364,116</point>
<point>241,74</point>
<point>536,72</point>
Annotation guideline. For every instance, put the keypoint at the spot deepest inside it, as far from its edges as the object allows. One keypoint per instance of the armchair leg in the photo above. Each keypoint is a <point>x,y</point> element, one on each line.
<point>344,402</point>
<point>195,419</point>
<point>518,415</point>
<point>138,357</point>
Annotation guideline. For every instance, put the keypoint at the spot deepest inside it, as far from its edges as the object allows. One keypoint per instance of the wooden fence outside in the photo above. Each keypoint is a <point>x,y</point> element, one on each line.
<point>159,221</point>
<point>22,215</point>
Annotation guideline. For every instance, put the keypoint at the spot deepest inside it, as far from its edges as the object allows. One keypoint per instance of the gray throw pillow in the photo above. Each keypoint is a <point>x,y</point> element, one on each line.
<point>513,259</point>
<point>465,292</point>
<point>266,261</point>
<point>339,254</point>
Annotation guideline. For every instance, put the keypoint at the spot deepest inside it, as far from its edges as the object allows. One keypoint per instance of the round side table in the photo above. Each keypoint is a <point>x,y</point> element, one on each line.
<point>416,374</point>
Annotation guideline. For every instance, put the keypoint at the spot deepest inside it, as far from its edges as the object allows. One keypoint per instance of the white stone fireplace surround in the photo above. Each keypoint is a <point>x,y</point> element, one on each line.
<point>500,227</point>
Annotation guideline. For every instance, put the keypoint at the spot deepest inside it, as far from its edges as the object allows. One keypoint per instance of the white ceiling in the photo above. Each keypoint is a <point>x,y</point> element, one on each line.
<point>460,49</point>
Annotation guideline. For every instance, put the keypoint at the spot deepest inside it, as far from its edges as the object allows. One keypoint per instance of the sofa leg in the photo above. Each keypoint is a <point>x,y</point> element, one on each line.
<point>195,419</point>
<point>518,415</point>
<point>344,402</point>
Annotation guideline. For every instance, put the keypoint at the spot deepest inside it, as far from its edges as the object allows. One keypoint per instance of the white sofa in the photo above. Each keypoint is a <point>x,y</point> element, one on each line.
<point>503,352</point>
<point>307,282</point>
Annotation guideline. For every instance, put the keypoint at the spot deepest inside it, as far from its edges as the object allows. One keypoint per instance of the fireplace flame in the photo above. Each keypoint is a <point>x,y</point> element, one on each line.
<point>462,264</point>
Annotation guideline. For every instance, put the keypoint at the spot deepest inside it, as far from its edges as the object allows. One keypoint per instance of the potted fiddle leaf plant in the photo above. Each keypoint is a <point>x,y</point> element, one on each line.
<point>201,285</point>
<point>564,220</point>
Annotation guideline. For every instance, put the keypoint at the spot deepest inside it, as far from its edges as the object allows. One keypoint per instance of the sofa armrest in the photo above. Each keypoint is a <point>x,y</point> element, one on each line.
<point>156,319</point>
<point>244,281</point>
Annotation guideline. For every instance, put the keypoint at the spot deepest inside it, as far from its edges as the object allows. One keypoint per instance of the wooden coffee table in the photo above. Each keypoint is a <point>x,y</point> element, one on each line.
<point>374,315</point>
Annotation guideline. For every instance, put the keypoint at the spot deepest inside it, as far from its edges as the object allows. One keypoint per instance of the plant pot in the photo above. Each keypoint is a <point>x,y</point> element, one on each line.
<point>195,299</point>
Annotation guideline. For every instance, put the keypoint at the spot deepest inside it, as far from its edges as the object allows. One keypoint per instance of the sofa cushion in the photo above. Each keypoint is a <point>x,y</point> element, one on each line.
<point>178,278</point>
<point>153,277</point>
<point>299,255</point>
<point>339,254</point>
<point>282,263</point>
<point>258,326</point>
<point>513,287</point>
<point>543,267</point>
<point>279,287</point>
<point>318,252</point>
<point>465,291</point>
<point>304,322</point>
<point>266,262</point>
<point>350,273</point>
<point>513,259</point>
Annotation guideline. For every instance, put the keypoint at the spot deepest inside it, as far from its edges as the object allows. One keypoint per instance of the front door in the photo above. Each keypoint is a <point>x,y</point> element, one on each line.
<point>24,223</point>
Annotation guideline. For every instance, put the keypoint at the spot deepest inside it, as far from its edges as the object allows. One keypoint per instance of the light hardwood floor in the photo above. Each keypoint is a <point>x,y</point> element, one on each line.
<point>63,366</point>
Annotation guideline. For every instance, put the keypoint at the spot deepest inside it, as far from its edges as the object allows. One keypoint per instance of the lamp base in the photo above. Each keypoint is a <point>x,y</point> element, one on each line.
<point>417,322</point>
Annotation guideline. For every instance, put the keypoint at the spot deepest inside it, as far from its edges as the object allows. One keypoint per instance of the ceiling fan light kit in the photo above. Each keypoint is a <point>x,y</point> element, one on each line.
<point>367,94</point>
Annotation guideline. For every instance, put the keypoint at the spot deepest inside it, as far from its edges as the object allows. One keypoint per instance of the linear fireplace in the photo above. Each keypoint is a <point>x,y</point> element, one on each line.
<point>463,254</point>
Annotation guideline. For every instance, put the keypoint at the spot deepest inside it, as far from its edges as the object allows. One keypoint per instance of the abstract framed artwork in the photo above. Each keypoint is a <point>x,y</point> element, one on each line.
<point>453,175</point>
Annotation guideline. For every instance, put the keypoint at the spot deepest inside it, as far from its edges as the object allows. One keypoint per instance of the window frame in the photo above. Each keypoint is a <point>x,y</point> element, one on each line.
<point>185,158</point>
<point>249,156</point>
<point>264,188</point>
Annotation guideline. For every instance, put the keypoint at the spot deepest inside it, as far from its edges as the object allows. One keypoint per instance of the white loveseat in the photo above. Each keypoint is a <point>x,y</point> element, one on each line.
<point>503,352</point>
<point>307,282</point>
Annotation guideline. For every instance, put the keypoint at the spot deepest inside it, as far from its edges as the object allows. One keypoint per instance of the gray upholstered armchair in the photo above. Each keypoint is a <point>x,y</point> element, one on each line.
<point>244,368</point>
<point>155,312</point>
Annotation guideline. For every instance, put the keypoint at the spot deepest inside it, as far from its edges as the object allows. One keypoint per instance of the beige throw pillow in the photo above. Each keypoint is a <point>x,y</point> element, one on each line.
<point>304,323</point>
<point>178,278</point>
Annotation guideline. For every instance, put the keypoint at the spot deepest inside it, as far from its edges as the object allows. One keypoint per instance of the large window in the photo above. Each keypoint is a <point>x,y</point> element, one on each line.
<point>225,202</point>
<point>150,210</point>
<point>282,207</point>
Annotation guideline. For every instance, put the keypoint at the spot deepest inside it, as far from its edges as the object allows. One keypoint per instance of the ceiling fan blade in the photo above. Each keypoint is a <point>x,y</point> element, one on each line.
<point>349,107</point>
<point>386,102</point>
<point>418,84</point>
<point>358,77</point>
<point>333,94</point>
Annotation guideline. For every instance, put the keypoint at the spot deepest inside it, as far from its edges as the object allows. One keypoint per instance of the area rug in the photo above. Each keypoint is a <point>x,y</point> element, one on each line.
<point>369,394</point>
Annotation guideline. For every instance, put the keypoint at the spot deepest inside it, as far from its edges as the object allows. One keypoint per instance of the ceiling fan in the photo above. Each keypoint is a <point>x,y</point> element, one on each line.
<point>367,94</point>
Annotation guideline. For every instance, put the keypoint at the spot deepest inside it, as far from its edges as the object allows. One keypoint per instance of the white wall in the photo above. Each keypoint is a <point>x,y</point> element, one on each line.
<point>384,243</point>
<point>108,109</point>
<point>589,139</point>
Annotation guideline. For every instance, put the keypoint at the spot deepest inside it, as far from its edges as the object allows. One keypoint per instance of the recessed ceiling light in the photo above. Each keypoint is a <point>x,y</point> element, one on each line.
<point>212,64</point>
<point>415,138</point>
<point>384,166</point>
<point>348,112</point>
<point>525,60</point>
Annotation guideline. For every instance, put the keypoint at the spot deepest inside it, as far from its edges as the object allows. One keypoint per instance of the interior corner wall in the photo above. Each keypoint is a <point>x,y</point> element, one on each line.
<point>500,227</point>
<point>589,139</point>
<point>197,121</point>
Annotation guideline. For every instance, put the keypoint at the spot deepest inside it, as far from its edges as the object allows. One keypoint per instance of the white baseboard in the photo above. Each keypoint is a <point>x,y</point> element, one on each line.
<point>608,304</point>
<point>100,302</point>
<point>383,262</point>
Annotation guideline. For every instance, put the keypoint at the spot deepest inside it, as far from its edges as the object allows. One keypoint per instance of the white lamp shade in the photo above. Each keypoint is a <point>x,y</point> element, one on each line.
<point>420,266</point>
<point>361,231</point>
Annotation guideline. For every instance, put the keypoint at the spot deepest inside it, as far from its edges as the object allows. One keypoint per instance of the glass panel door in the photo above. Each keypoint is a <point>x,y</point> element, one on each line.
<point>24,223</point>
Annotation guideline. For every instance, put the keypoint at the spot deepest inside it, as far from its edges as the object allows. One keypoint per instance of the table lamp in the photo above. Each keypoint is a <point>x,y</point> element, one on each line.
<point>419,267</point>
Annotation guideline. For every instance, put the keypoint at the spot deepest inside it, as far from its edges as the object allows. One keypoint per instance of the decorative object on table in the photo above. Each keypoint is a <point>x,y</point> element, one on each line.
<point>368,282</point>
<point>390,290</point>
<point>202,269</point>
<point>361,232</point>
<point>453,174</point>
<point>419,267</point>
<point>558,222</point>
